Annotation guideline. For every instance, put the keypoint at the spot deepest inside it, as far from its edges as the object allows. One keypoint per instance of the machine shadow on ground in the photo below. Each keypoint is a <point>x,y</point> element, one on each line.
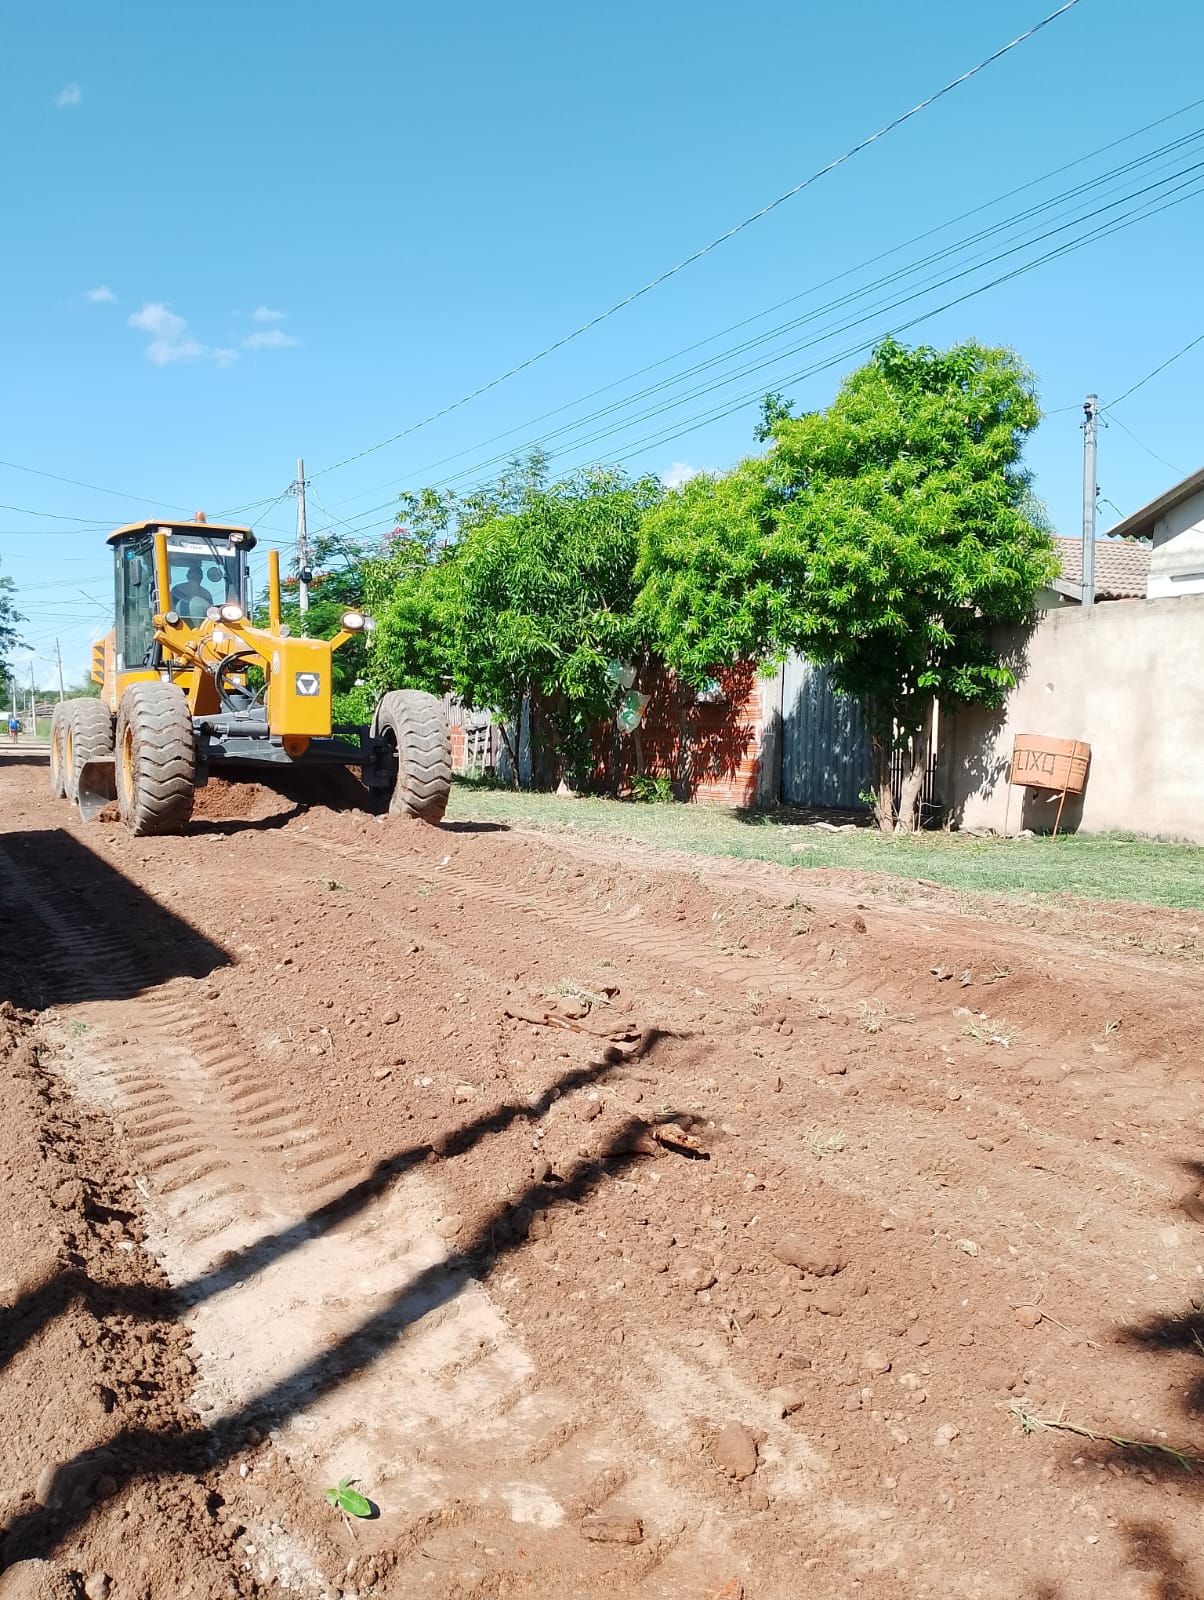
<point>87,895</point>
<point>14,756</point>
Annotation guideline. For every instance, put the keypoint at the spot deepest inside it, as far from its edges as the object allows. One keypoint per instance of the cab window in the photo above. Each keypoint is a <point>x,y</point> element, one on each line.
<point>135,606</point>
<point>202,574</point>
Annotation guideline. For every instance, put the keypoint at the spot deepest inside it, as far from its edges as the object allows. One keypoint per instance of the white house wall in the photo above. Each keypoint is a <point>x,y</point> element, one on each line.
<point>1177,557</point>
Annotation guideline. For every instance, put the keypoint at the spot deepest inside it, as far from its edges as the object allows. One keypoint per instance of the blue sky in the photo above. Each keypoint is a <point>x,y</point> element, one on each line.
<point>239,234</point>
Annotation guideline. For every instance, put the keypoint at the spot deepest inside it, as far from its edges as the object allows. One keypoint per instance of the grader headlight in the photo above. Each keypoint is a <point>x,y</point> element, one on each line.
<point>353,621</point>
<point>231,613</point>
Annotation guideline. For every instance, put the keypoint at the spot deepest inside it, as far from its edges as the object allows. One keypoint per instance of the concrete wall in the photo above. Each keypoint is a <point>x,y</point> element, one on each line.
<point>1177,557</point>
<point>1129,679</point>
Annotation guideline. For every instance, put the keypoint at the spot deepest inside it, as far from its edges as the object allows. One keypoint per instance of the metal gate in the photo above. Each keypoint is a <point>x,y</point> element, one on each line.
<point>827,756</point>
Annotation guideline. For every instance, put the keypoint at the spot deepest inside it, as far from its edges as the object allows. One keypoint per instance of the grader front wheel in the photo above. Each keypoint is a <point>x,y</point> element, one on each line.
<point>156,759</point>
<point>413,725</point>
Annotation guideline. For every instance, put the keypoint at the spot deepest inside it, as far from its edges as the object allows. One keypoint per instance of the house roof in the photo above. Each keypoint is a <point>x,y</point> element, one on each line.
<point>1121,568</point>
<point>1141,524</point>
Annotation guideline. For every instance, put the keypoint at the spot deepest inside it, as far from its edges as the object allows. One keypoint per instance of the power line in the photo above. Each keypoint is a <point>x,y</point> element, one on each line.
<point>1141,382</point>
<point>700,419</point>
<point>847,272</point>
<point>1115,224</point>
<point>697,255</point>
<point>924,287</point>
<point>944,255</point>
<point>96,488</point>
<point>53,516</point>
<point>1143,445</point>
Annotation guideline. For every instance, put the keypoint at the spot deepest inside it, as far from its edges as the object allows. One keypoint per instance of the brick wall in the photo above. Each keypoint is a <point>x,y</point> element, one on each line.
<point>710,752</point>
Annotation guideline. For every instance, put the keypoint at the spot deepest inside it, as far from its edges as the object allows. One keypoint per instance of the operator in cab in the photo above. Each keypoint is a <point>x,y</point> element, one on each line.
<point>191,598</point>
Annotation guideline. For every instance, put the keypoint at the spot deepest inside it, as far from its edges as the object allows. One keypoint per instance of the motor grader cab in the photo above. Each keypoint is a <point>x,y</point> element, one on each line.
<point>190,686</point>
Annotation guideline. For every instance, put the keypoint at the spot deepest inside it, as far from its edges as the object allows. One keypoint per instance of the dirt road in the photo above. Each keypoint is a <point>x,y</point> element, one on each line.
<point>623,1226</point>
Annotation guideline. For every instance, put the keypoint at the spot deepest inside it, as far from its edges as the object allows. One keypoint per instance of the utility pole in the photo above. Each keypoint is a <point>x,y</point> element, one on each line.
<point>1090,492</point>
<point>33,702</point>
<point>58,656</point>
<point>303,572</point>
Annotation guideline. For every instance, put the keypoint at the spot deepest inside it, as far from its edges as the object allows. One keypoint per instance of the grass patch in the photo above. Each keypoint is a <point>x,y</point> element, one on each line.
<point>1089,866</point>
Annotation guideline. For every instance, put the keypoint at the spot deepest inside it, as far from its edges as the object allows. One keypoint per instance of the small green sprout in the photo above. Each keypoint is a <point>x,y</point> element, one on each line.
<point>348,1500</point>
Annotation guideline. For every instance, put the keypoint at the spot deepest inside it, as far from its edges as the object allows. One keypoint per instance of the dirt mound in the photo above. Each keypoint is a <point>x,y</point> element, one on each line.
<point>225,800</point>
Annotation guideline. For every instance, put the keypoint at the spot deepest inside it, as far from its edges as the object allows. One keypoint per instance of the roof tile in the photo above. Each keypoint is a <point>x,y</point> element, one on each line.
<point>1121,567</point>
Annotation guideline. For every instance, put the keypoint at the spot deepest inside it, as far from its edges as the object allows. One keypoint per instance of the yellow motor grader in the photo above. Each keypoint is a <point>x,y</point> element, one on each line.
<point>191,688</point>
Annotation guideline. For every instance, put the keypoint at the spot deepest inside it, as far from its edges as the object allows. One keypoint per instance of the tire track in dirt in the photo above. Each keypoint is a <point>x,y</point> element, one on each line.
<point>995,1199</point>
<point>659,944</point>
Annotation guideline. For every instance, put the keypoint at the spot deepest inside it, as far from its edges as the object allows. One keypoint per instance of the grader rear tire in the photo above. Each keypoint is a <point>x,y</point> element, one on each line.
<point>87,736</point>
<point>414,725</point>
<point>58,781</point>
<point>156,759</point>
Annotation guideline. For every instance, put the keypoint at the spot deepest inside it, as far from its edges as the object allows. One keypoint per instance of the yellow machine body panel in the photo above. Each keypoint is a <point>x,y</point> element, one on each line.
<point>299,687</point>
<point>113,684</point>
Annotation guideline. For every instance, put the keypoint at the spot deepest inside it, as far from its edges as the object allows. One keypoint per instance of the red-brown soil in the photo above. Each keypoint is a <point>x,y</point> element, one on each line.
<point>626,1225</point>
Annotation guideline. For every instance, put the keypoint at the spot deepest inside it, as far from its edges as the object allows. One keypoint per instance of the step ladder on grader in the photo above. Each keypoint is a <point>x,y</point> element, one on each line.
<point>190,687</point>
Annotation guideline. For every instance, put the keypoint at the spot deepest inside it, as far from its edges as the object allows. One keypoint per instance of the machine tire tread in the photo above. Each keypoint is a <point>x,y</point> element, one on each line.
<point>413,722</point>
<point>155,719</point>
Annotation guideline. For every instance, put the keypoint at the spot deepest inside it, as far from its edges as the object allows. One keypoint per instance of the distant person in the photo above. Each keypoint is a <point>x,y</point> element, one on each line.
<point>14,728</point>
<point>191,598</point>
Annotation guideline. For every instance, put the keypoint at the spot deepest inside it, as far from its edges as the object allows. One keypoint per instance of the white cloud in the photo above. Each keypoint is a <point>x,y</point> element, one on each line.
<point>69,96</point>
<point>156,319</point>
<point>102,295</point>
<point>269,339</point>
<point>266,314</point>
<point>680,472</point>
<point>170,339</point>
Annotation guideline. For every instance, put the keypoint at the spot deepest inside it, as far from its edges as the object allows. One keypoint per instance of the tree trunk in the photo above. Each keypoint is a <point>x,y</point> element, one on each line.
<point>510,749</point>
<point>912,788</point>
<point>884,805</point>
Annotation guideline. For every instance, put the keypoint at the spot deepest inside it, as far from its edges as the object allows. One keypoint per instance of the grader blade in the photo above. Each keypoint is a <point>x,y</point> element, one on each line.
<point>97,786</point>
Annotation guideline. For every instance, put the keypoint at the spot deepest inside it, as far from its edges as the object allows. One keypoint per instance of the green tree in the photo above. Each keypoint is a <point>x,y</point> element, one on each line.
<point>523,592</point>
<point>10,632</point>
<point>884,537</point>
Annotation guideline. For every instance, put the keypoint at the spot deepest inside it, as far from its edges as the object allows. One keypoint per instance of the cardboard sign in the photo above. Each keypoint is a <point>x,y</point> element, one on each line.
<point>1057,764</point>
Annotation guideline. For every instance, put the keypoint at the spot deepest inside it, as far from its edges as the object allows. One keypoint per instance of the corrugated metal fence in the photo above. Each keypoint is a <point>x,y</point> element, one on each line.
<point>827,752</point>
<point>827,756</point>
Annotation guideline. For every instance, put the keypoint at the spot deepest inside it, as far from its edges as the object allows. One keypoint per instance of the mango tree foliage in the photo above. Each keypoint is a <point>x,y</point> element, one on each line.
<point>531,597</point>
<point>884,537</point>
